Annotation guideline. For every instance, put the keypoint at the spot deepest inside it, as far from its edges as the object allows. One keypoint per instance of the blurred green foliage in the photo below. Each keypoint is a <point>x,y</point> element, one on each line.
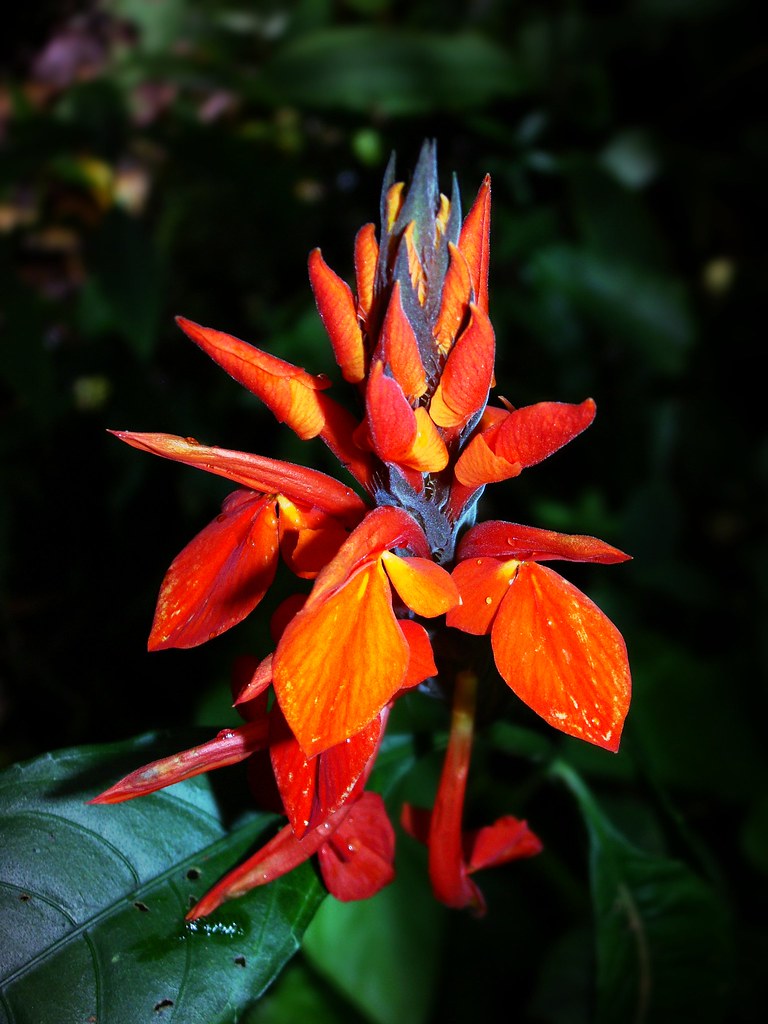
<point>184,157</point>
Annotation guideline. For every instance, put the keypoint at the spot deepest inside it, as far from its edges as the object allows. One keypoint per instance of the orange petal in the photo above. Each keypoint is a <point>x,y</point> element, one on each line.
<point>482,584</point>
<point>562,656</point>
<point>309,539</point>
<point>534,433</point>
<point>466,378</point>
<point>220,576</point>
<point>287,390</point>
<point>474,242</point>
<point>366,258</point>
<point>454,302</point>
<point>340,660</point>
<point>478,465</point>
<point>391,421</point>
<point>337,310</point>
<point>401,350</point>
<point>425,587</point>
<point>270,476</point>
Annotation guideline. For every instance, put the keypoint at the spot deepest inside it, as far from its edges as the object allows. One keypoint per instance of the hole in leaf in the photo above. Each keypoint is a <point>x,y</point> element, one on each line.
<point>141,906</point>
<point>163,1005</point>
<point>25,897</point>
<point>193,874</point>
<point>240,961</point>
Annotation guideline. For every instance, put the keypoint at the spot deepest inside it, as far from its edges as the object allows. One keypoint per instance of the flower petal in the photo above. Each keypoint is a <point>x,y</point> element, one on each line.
<point>337,310</point>
<point>454,301</point>
<point>270,476</point>
<point>506,840</point>
<point>357,861</point>
<point>497,539</point>
<point>401,350</point>
<point>220,576</point>
<point>287,390</point>
<point>366,258</point>
<point>312,789</point>
<point>474,242</point>
<point>340,661</point>
<point>423,585</point>
<point>562,656</point>
<point>478,464</point>
<point>421,662</point>
<point>228,747</point>
<point>482,583</point>
<point>532,434</point>
<point>467,374</point>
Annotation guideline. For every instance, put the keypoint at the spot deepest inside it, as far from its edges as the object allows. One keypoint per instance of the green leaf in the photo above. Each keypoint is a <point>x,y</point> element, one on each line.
<point>663,949</point>
<point>393,73</point>
<point>95,897</point>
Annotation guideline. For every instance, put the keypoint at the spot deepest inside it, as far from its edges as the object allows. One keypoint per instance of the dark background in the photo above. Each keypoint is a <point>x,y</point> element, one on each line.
<point>184,157</point>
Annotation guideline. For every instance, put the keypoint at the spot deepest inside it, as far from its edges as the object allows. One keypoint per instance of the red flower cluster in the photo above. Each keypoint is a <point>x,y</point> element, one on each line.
<point>395,572</point>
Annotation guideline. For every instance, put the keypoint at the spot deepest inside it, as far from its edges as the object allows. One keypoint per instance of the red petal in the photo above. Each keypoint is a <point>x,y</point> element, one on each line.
<point>270,476</point>
<point>229,747</point>
<point>506,840</point>
<point>482,584</point>
<point>479,465</point>
<point>401,350</point>
<point>497,539</point>
<point>311,790</point>
<point>562,656</point>
<point>337,310</point>
<point>421,663</point>
<point>391,421</point>
<point>220,576</point>
<point>252,683</point>
<point>454,302</point>
<point>425,587</point>
<point>466,377</point>
<point>534,433</point>
<point>340,661</point>
<point>357,861</point>
<point>474,242</point>
<point>287,390</point>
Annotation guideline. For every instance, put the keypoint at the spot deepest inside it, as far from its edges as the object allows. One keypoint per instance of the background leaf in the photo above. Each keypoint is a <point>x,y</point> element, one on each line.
<point>93,898</point>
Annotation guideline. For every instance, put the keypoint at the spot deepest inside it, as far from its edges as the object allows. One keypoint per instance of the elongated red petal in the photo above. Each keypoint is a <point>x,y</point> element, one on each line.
<point>474,242</point>
<point>313,789</point>
<point>366,258</point>
<point>391,421</point>
<point>229,747</point>
<point>220,576</point>
<point>270,476</point>
<point>454,301</point>
<point>497,539</point>
<point>357,861</point>
<point>466,377</point>
<point>562,656</point>
<point>423,585</point>
<point>287,390</point>
<point>337,310</point>
<point>532,434</point>
<point>421,661</point>
<point>340,661</point>
<point>482,583</point>
<point>281,854</point>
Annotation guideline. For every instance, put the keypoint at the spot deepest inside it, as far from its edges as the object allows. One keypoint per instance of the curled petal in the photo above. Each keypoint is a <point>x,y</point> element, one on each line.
<point>287,390</point>
<point>229,747</point>
<point>401,350</point>
<point>506,840</point>
<point>423,585</point>
<point>474,243</point>
<point>562,656</point>
<point>309,538</point>
<point>251,684</point>
<point>220,576</point>
<point>270,476</point>
<point>497,539</point>
<point>421,661</point>
<point>466,377</point>
<point>357,861</point>
<point>366,258</point>
<point>454,301</point>
<point>340,661</point>
<point>478,465</point>
<point>337,310</point>
<point>391,421</point>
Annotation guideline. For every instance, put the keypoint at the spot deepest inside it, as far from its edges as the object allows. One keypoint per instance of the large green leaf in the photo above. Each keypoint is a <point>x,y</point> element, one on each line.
<point>663,935</point>
<point>93,898</point>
